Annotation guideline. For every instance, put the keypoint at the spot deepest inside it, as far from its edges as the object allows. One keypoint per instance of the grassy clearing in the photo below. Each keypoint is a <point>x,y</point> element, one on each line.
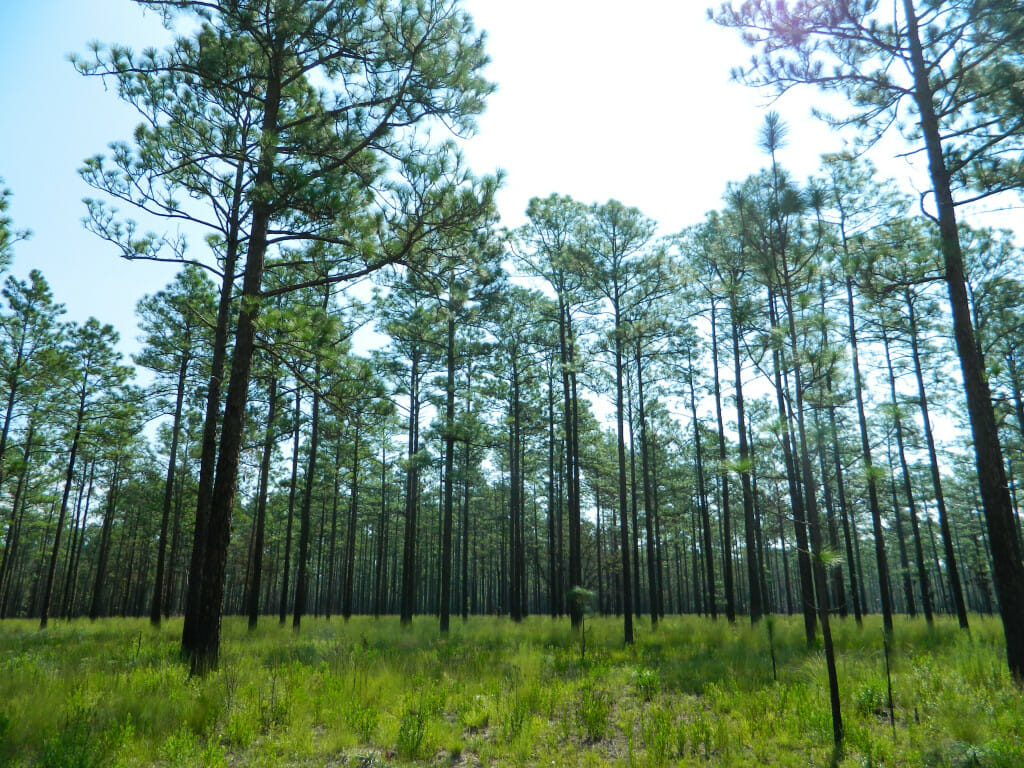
<point>366,693</point>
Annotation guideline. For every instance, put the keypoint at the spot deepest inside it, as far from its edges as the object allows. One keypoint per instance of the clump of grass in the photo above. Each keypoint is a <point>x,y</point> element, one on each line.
<point>411,730</point>
<point>592,710</point>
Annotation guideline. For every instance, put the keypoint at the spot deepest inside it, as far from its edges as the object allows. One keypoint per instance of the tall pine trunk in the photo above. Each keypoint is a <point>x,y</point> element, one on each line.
<point>869,468</point>
<point>995,496</point>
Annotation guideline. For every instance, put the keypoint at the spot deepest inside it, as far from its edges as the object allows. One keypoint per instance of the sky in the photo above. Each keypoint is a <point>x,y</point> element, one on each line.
<point>597,99</point>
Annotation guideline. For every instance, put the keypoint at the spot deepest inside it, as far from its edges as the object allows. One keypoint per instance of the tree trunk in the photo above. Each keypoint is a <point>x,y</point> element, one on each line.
<point>922,571</point>
<point>302,578</point>
<point>754,575</point>
<point>869,470</point>
<point>702,499</point>
<point>949,551</point>
<point>648,491</point>
<point>408,605</point>
<point>293,487</point>
<point>624,537</point>
<point>156,608</point>
<point>351,528</point>
<point>205,652</point>
<point>69,474</point>
<point>723,476</point>
<point>1006,556</point>
<point>211,423</point>
<point>796,498</point>
<point>449,480</point>
<point>567,350</point>
<point>256,571</point>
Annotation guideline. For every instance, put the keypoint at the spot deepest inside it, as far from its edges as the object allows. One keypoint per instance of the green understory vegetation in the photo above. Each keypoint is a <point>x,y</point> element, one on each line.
<point>691,692</point>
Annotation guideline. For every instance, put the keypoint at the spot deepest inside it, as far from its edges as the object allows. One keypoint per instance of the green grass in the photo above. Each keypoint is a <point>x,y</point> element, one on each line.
<point>366,693</point>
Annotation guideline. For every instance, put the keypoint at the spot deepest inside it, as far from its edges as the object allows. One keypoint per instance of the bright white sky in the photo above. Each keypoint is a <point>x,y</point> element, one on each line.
<point>597,99</point>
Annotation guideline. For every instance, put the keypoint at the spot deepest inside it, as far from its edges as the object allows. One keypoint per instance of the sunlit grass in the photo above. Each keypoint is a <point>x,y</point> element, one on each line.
<point>692,692</point>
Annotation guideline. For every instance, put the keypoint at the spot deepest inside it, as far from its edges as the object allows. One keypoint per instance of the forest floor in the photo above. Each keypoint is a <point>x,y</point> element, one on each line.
<point>691,692</point>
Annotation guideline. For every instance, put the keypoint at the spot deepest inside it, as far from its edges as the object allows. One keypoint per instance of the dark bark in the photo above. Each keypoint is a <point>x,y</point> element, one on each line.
<point>99,584</point>
<point>567,351</point>
<point>754,572</point>
<point>648,491</point>
<point>702,500</point>
<point>156,608</point>
<point>351,527</point>
<point>44,612</point>
<point>624,536</point>
<point>408,600</point>
<point>793,481</point>
<point>211,424</point>
<point>305,516</point>
<point>908,489</point>
<point>204,651</point>
<point>449,479</point>
<point>995,497</point>
<point>256,569</point>
<point>293,489</point>
<point>949,552</point>
<point>723,477</point>
<point>869,470</point>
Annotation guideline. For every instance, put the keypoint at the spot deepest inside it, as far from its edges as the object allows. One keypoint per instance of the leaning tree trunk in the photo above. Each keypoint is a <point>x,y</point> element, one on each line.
<point>286,572</point>
<point>949,548</point>
<point>204,652</point>
<point>572,463</point>
<point>995,496</point>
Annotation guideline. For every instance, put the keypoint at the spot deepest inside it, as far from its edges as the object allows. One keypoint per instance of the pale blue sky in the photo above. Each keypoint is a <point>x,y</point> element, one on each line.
<point>596,99</point>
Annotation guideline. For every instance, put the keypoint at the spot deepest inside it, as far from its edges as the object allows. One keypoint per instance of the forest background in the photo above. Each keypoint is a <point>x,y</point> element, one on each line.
<point>709,401</point>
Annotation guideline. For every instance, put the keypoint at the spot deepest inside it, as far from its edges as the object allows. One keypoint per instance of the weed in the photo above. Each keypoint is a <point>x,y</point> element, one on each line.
<point>362,719</point>
<point>411,730</point>
<point>513,717</point>
<point>592,712</point>
<point>73,746</point>
<point>870,699</point>
<point>476,715</point>
<point>646,682</point>
<point>656,733</point>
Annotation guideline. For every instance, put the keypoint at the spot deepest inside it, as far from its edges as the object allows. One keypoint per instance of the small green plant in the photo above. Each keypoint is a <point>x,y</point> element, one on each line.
<point>656,732</point>
<point>870,700</point>
<point>362,719</point>
<point>514,718</point>
<point>477,715</point>
<point>647,682</point>
<point>584,600</point>
<point>5,727</point>
<point>411,730</point>
<point>592,713</point>
<point>73,746</point>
